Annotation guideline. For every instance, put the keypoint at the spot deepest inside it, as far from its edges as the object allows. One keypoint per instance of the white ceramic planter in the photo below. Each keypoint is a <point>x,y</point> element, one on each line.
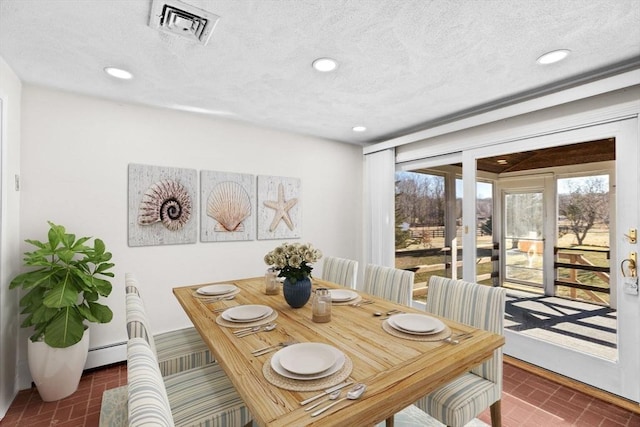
<point>57,371</point>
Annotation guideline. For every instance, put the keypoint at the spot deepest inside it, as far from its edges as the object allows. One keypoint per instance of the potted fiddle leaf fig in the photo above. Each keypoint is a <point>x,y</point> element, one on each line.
<point>62,294</point>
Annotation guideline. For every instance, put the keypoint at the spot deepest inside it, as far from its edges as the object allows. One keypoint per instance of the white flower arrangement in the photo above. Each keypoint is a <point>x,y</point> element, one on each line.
<point>292,260</point>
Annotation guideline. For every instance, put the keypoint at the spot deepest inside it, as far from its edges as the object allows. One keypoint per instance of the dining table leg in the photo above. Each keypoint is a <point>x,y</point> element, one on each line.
<point>389,421</point>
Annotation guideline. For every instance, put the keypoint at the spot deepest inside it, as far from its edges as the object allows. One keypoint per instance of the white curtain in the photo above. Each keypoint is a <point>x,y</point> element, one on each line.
<point>379,209</point>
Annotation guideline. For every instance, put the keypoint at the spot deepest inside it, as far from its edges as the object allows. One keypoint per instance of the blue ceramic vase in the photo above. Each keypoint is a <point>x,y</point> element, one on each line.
<point>296,294</point>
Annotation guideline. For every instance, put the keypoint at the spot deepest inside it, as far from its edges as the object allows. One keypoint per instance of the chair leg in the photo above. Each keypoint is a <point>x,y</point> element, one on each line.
<point>496,414</point>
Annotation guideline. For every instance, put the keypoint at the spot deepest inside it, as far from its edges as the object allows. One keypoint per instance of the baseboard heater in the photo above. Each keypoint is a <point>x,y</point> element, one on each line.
<point>106,355</point>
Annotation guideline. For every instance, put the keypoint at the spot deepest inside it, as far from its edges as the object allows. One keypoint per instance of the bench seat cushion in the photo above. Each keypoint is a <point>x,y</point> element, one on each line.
<point>181,350</point>
<point>205,397</point>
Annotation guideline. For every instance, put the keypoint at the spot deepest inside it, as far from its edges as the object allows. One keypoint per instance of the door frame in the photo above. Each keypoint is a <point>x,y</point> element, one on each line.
<point>525,185</point>
<point>617,376</point>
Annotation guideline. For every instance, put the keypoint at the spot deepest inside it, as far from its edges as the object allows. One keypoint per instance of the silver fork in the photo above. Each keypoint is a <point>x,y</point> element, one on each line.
<point>265,350</point>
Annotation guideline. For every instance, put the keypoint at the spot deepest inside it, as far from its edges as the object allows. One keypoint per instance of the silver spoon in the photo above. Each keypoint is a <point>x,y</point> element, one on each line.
<point>251,329</point>
<point>455,339</point>
<point>266,328</point>
<point>388,313</point>
<point>352,394</point>
<point>332,396</point>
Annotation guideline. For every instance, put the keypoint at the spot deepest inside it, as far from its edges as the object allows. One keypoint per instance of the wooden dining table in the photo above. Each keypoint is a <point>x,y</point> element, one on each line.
<point>397,371</point>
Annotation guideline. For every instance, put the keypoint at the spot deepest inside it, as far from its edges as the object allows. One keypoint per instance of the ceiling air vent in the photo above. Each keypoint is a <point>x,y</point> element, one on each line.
<point>176,17</point>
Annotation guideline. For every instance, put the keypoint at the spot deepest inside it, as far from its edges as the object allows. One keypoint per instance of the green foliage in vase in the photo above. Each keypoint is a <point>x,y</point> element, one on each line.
<point>63,291</point>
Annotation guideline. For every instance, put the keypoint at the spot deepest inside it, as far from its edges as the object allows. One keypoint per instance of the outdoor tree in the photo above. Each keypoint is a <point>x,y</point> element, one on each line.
<point>585,204</point>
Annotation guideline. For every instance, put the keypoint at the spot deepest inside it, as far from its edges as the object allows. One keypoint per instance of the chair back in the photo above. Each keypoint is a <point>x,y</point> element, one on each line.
<point>389,283</point>
<point>341,271</point>
<point>475,305</point>
<point>137,321</point>
<point>148,403</point>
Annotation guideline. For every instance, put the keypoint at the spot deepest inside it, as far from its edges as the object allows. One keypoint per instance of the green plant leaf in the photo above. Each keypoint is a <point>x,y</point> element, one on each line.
<point>63,294</point>
<point>31,279</point>
<point>65,329</point>
<point>103,267</point>
<point>68,240</point>
<point>101,312</point>
<point>65,254</point>
<point>38,331</point>
<point>36,243</point>
<point>87,314</point>
<point>43,314</point>
<point>91,296</point>
<point>79,244</point>
<point>32,298</point>
<point>103,287</point>
<point>98,247</point>
<point>55,235</point>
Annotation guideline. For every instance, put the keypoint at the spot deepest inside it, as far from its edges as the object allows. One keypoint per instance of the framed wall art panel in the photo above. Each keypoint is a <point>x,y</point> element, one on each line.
<point>162,205</point>
<point>227,208</point>
<point>279,208</point>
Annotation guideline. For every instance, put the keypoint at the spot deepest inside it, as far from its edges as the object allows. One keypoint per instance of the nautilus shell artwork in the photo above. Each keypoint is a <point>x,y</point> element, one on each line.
<point>167,202</point>
<point>229,204</point>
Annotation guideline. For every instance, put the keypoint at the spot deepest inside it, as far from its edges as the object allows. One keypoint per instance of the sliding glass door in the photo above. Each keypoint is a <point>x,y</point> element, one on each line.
<point>554,243</point>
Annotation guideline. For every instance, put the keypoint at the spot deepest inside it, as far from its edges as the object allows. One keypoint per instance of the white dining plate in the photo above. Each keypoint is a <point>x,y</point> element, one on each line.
<point>338,364</point>
<point>220,289</point>
<point>246,313</point>
<point>341,295</point>
<point>307,358</point>
<point>416,323</point>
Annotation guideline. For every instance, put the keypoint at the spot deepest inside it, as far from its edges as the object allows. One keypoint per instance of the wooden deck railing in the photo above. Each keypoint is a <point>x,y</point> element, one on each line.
<point>577,262</point>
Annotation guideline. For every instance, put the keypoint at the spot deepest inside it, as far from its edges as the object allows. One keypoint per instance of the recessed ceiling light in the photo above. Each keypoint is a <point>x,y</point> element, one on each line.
<point>325,64</point>
<point>553,56</point>
<point>359,128</point>
<point>118,73</point>
<point>501,161</point>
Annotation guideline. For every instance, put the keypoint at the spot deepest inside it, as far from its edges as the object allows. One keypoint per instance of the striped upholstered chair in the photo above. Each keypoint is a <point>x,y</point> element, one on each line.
<point>389,283</point>
<point>461,400</point>
<point>341,271</point>
<point>177,350</point>
<point>198,397</point>
<point>148,403</point>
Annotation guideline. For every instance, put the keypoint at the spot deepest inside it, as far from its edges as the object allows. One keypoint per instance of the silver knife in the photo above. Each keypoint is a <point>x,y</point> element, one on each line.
<point>327,391</point>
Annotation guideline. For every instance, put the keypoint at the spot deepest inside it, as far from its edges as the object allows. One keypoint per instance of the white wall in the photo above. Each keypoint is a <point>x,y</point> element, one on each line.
<point>10,91</point>
<point>75,152</point>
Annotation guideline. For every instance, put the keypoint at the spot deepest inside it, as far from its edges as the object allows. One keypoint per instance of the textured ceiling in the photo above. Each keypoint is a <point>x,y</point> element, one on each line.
<point>404,64</point>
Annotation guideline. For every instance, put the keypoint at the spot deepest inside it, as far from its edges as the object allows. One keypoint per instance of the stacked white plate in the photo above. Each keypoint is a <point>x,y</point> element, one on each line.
<point>307,361</point>
<point>416,324</point>
<point>217,290</point>
<point>247,313</point>
<point>342,295</point>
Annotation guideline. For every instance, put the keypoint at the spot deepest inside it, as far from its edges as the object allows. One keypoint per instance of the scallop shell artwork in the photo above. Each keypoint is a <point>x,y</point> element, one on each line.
<point>229,204</point>
<point>167,202</point>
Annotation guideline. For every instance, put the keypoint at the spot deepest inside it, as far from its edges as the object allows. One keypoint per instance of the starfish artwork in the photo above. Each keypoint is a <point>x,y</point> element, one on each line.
<point>282,207</point>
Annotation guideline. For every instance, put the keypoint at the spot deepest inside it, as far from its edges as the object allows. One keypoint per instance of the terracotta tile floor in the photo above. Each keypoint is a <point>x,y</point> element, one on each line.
<point>528,401</point>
